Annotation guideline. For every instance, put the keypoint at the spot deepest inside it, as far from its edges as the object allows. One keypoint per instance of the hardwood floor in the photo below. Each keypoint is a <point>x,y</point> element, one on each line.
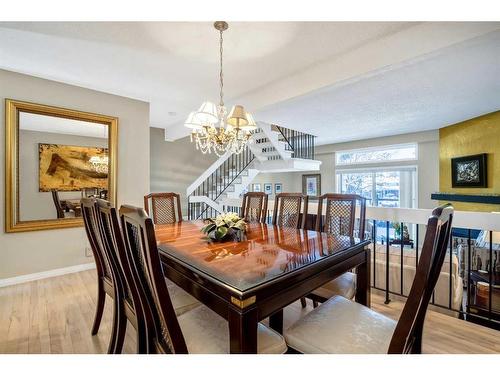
<point>55,316</point>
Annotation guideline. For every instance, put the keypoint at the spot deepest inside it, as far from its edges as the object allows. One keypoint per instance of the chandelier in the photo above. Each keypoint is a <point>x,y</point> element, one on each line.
<point>99,163</point>
<point>212,128</point>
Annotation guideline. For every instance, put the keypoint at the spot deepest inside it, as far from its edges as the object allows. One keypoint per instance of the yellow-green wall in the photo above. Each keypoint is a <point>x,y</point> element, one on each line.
<point>476,136</point>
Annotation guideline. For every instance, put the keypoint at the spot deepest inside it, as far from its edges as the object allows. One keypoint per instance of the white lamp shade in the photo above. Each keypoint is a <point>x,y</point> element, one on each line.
<point>252,125</point>
<point>193,122</point>
<point>207,114</point>
<point>237,117</point>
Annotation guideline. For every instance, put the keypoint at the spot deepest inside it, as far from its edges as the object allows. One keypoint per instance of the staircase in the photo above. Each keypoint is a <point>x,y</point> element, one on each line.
<point>272,149</point>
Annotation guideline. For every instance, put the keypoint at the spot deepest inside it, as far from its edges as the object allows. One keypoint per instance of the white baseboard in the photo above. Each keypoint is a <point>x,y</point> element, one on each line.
<point>45,274</point>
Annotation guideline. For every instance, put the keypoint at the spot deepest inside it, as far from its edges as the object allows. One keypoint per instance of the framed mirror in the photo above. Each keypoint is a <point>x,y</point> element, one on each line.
<point>54,157</point>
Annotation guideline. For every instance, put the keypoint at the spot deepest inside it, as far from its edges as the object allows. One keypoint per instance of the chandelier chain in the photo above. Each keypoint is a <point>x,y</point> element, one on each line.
<point>221,74</point>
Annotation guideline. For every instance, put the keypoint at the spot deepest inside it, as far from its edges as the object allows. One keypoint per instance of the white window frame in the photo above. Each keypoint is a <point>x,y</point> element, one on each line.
<point>376,148</point>
<point>354,169</point>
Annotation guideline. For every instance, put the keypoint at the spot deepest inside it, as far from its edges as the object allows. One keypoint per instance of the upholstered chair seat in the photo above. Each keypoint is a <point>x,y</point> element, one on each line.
<point>341,326</point>
<point>206,332</point>
<point>344,285</point>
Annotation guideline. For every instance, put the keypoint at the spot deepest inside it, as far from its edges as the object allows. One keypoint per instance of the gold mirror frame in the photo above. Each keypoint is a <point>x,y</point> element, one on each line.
<point>12,109</point>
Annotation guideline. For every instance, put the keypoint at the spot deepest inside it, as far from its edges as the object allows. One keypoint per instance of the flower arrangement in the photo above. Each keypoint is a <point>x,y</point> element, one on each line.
<point>224,226</point>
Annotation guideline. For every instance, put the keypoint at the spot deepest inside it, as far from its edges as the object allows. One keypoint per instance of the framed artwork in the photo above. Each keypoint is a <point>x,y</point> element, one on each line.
<point>469,171</point>
<point>268,189</point>
<point>256,188</point>
<point>278,188</point>
<point>311,185</point>
<point>71,168</point>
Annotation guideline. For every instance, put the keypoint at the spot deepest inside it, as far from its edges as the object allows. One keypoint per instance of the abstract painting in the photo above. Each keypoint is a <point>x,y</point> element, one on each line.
<point>72,168</point>
<point>469,171</point>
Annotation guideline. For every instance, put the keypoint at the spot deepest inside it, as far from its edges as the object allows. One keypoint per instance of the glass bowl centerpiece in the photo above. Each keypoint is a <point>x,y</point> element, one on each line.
<point>225,227</point>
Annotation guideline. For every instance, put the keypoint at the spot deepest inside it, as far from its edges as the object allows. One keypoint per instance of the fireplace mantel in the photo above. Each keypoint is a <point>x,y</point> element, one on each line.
<point>471,198</point>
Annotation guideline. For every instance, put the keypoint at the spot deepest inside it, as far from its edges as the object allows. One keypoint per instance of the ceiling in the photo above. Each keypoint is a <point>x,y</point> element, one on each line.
<point>458,83</point>
<point>348,79</point>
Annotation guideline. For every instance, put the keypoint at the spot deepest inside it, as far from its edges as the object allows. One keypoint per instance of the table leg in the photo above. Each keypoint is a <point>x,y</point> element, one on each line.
<point>276,321</point>
<point>363,281</point>
<point>242,331</point>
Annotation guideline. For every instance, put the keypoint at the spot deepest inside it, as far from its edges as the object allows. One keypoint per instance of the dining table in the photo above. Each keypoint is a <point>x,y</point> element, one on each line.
<point>255,276</point>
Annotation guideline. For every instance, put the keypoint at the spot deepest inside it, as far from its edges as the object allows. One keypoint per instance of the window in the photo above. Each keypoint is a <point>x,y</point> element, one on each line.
<point>376,155</point>
<point>394,187</point>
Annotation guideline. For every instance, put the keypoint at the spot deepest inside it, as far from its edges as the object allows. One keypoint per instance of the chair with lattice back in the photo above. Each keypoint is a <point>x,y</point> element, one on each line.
<point>339,219</point>
<point>288,208</point>
<point>254,208</point>
<point>165,207</point>
<point>199,330</point>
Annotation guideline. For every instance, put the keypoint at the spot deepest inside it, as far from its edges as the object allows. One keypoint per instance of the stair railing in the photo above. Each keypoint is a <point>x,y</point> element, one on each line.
<point>218,182</point>
<point>302,144</point>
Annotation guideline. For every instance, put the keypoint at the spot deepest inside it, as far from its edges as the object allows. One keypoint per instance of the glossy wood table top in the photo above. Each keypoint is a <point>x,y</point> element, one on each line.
<point>267,252</point>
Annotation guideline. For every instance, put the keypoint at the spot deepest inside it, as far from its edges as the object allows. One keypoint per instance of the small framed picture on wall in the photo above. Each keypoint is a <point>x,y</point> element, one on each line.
<point>278,188</point>
<point>268,189</point>
<point>311,185</point>
<point>256,188</point>
<point>469,171</point>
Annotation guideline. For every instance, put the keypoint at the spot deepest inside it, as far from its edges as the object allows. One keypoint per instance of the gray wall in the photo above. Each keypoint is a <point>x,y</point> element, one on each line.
<point>427,165</point>
<point>175,165</point>
<point>290,181</point>
<point>30,252</point>
<point>33,204</point>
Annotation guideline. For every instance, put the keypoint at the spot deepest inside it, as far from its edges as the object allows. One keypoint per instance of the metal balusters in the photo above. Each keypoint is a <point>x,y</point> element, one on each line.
<point>450,285</point>
<point>401,238</point>
<point>374,242</point>
<point>416,247</point>
<point>387,300</point>
<point>301,144</point>
<point>490,270</point>
<point>217,183</point>
<point>469,261</point>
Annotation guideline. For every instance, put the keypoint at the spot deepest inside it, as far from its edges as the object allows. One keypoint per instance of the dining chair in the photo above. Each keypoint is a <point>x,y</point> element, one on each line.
<point>342,326</point>
<point>103,194</point>
<point>339,220</point>
<point>165,207</point>
<point>125,299</point>
<point>287,210</point>
<point>57,204</point>
<point>199,330</point>
<point>127,302</point>
<point>89,192</point>
<point>287,213</point>
<point>254,207</point>
<point>105,279</point>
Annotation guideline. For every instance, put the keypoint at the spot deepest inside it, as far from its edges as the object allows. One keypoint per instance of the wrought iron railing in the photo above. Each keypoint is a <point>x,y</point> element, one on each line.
<point>469,283</point>
<point>218,183</point>
<point>301,144</point>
